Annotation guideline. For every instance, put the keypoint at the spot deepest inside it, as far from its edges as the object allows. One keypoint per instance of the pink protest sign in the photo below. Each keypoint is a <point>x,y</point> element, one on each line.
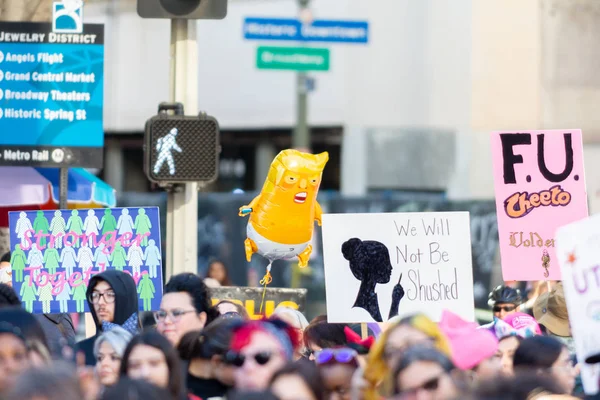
<point>540,186</point>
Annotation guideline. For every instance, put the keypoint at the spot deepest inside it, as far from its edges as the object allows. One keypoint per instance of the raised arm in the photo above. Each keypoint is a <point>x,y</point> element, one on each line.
<point>245,210</point>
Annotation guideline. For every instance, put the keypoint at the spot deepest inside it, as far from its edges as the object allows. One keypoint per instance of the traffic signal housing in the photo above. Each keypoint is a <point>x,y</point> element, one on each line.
<point>182,9</point>
<point>181,149</point>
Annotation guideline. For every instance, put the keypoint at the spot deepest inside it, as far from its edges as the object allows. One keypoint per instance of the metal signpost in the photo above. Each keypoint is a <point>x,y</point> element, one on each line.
<point>301,59</point>
<point>182,203</point>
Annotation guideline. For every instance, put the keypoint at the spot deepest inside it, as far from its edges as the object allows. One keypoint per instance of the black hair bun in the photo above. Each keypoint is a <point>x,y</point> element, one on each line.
<point>349,247</point>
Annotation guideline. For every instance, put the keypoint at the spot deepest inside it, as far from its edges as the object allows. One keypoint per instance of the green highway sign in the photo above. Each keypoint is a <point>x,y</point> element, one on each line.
<point>292,58</point>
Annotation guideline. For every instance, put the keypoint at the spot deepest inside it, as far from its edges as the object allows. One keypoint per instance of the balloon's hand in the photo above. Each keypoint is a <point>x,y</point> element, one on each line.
<point>244,210</point>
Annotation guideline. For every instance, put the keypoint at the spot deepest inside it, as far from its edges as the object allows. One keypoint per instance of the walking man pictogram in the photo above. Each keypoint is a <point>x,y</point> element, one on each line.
<point>164,146</point>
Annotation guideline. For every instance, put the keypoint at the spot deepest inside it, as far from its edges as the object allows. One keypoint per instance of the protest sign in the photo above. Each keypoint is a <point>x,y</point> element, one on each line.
<point>55,253</point>
<point>577,247</point>
<point>540,186</point>
<point>381,265</point>
<point>251,297</point>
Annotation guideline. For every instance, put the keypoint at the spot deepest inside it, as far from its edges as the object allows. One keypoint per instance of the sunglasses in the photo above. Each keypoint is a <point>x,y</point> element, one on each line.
<point>429,386</point>
<point>504,308</point>
<point>342,356</point>
<point>238,360</point>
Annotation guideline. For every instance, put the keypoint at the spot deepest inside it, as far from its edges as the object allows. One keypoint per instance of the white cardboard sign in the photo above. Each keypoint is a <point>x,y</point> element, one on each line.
<point>577,246</point>
<point>367,256</point>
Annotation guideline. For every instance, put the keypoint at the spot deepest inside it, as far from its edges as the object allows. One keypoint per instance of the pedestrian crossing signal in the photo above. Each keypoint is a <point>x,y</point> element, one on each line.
<point>180,149</point>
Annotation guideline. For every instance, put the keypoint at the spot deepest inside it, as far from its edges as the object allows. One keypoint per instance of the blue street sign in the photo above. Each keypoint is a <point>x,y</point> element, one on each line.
<point>317,31</point>
<point>51,96</point>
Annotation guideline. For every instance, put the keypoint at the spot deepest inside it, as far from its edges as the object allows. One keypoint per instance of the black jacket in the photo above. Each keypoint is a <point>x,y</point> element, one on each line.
<point>126,303</point>
<point>59,331</point>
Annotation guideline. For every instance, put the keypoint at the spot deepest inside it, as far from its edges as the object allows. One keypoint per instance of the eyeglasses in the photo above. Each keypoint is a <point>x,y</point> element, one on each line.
<point>428,386</point>
<point>238,360</point>
<point>504,308</point>
<point>109,297</point>
<point>161,316</point>
<point>342,356</point>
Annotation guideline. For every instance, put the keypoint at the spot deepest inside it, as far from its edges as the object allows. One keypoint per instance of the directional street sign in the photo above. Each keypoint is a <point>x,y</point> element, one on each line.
<point>292,58</point>
<point>317,31</point>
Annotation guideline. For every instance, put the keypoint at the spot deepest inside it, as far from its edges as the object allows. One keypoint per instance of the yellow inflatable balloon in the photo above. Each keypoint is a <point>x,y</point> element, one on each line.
<point>282,216</point>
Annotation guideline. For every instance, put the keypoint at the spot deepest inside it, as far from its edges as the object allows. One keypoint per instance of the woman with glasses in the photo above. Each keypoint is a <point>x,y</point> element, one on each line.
<point>425,373</point>
<point>183,308</point>
<point>150,357</point>
<point>389,348</point>
<point>546,355</point>
<point>208,375</point>
<point>259,349</point>
<point>337,368</point>
<point>109,349</point>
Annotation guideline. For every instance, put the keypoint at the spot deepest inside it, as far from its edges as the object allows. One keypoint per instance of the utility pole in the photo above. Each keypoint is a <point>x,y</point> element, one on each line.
<point>301,136</point>
<point>182,203</point>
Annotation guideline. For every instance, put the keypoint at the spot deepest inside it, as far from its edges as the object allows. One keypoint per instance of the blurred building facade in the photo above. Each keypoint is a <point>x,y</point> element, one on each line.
<point>411,110</point>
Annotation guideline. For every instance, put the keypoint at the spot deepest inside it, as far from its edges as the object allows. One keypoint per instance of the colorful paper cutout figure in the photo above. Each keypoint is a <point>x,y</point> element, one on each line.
<point>63,297</point>
<point>146,291</point>
<point>108,223</point>
<point>28,293</point>
<point>125,223</point>
<point>282,216</point>
<point>35,260</point>
<point>57,228</point>
<point>23,225</point>
<point>152,256</point>
<point>85,257</point>
<point>78,293</point>
<point>68,258</point>
<point>75,224</point>
<point>118,257</point>
<point>91,226</point>
<point>142,226</point>
<point>45,297</point>
<point>17,263</point>
<point>40,224</point>
<point>135,256</point>
<point>101,257</point>
<point>51,259</point>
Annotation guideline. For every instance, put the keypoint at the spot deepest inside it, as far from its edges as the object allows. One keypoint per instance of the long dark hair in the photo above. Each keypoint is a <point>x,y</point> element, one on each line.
<point>213,340</point>
<point>226,279</point>
<point>156,340</point>
<point>537,352</point>
<point>308,372</point>
<point>30,327</point>
<point>324,334</point>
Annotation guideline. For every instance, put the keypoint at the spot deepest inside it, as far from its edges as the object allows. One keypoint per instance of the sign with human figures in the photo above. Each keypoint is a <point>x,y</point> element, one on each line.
<point>55,253</point>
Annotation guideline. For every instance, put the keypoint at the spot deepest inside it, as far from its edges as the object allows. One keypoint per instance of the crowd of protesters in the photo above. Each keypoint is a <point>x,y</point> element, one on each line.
<point>193,350</point>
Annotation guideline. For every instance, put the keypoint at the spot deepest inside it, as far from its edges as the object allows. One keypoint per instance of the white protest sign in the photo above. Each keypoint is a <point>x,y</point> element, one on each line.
<point>577,247</point>
<point>370,259</point>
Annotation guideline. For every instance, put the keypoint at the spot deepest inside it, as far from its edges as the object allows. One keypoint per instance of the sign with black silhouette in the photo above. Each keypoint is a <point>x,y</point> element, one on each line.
<point>540,186</point>
<point>378,266</point>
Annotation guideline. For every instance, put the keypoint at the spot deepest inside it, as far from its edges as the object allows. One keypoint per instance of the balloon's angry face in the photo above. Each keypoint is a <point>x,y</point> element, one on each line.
<point>593,310</point>
<point>298,176</point>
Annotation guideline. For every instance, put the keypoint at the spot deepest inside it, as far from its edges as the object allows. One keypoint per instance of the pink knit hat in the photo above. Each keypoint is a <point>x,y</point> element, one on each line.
<point>517,324</point>
<point>469,345</point>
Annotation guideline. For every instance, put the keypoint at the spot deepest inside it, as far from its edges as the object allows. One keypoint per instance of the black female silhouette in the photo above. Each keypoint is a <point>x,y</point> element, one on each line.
<point>370,263</point>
